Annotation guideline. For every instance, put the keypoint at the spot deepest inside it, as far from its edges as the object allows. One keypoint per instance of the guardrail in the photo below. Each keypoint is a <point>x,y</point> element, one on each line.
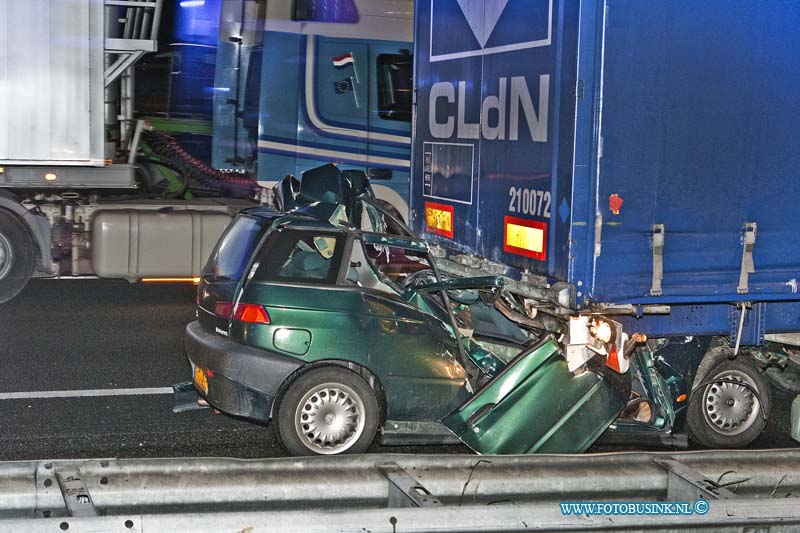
<point>744,489</point>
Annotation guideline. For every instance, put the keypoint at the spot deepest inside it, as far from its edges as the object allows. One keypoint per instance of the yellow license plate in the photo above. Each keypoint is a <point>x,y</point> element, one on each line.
<point>200,380</point>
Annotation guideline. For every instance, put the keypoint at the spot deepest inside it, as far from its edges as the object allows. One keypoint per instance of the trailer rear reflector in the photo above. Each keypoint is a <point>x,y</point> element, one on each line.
<point>439,219</point>
<point>525,237</point>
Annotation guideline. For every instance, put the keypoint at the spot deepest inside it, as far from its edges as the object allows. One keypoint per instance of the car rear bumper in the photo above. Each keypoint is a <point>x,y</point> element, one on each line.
<point>245,380</point>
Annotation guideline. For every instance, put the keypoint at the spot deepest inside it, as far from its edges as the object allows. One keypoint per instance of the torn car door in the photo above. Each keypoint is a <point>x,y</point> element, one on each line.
<point>536,405</point>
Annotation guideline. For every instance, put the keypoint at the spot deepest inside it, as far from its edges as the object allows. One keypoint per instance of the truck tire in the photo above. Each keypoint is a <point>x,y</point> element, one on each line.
<point>327,411</point>
<point>17,256</point>
<point>730,407</point>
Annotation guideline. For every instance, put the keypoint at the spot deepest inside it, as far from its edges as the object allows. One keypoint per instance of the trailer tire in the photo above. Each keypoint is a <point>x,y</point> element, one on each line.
<point>722,414</point>
<point>17,255</point>
<point>327,411</point>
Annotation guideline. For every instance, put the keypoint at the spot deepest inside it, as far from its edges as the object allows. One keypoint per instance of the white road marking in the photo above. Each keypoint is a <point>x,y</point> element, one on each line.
<point>84,393</point>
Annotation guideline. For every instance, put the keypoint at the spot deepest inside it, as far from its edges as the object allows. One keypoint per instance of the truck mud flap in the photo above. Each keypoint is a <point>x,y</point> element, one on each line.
<point>536,405</point>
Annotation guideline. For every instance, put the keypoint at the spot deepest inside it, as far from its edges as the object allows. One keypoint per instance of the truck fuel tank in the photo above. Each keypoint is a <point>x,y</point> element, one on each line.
<point>139,243</point>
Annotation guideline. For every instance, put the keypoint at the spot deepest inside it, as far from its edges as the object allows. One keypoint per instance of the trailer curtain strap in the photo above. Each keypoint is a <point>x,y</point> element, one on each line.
<point>748,267</point>
<point>658,259</point>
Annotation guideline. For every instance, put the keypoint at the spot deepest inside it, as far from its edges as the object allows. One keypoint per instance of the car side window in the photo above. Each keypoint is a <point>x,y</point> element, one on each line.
<point>300,256</point>
<point>396,264</point>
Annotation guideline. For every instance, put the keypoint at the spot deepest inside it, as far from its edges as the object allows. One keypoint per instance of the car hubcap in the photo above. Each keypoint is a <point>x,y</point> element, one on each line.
<point>5,256</point>
<point>730,408</point>
<point>330,418</point>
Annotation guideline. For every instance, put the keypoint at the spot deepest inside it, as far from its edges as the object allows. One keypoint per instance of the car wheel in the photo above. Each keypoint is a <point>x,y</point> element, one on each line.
<point>327,411</point>
<point>16,256</point>
<point>730,407</point>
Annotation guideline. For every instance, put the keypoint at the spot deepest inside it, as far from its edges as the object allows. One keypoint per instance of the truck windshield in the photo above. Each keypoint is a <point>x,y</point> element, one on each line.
<point>235,248</point>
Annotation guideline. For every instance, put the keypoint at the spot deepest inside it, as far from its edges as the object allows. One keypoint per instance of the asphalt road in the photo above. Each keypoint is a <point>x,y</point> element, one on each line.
<point>85,336</point>
<point>89,336</point>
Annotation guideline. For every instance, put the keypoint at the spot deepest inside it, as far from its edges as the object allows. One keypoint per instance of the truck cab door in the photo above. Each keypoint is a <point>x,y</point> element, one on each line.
<point>536,405</point>
<point>340,90</point>
<point>389,145</point>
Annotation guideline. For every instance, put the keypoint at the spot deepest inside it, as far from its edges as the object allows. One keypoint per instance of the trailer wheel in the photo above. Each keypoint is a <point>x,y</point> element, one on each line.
<point>17,256</point>
<point>327,411</point>
<point>730,407</point>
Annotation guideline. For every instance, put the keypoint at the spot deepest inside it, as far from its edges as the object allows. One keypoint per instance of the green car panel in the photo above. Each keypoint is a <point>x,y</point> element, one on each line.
<point>291,340</point>
<point>406,349</point>
<point>536,405</point>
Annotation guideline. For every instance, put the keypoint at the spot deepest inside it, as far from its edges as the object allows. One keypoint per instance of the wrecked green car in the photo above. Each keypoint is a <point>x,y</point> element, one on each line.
<point>337,332</point>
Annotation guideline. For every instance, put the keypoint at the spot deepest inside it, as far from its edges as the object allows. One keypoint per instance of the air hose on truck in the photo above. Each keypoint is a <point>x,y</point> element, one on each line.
<point>170,154</point>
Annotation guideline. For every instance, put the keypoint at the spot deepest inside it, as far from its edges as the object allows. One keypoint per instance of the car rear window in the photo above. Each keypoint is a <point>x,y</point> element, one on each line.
<point>300,256</point>
<point>235,248</point>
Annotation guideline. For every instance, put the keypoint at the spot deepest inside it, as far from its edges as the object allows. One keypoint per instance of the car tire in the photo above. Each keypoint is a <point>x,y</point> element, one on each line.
<point>726,415</point>
<point>17,255</point>
<point>327,411</point>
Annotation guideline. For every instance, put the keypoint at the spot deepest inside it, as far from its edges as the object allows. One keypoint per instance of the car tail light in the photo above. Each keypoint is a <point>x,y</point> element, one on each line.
<point>223,309</point>
<point>251,313</point>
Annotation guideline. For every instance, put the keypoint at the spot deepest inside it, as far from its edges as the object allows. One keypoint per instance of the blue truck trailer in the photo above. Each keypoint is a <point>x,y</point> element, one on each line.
<point>631,160</point>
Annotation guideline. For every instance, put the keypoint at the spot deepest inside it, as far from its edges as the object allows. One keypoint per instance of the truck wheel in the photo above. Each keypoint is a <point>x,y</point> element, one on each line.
<point>730,407</point>
<point>327,411</point>
<point>16,256</point>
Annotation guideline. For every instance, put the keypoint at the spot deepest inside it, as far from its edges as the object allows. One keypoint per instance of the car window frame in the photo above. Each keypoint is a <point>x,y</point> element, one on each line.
<point>336,262</point>
<point>264,229</point>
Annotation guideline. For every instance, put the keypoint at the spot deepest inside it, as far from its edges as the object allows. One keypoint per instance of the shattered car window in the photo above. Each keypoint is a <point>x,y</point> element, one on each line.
<point>360,272</point>
<point>299,256</point>
<point>398,265</point>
